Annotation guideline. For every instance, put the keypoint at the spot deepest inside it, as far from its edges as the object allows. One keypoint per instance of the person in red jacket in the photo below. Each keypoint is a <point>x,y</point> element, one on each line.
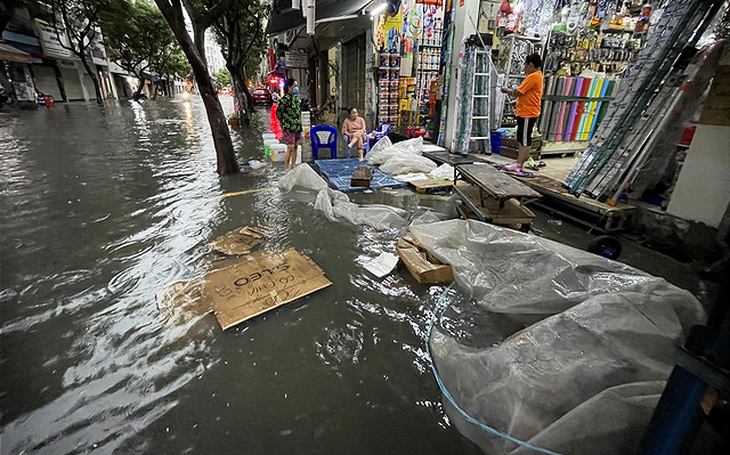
<point>529,98</point>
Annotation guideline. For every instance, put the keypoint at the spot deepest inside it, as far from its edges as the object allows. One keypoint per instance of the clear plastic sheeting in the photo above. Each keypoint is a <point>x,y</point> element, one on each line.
<point>379,216</point>
<point>336,205</point>
<point>404,163</point>
<point>303,176</point>
<point>562,347</point>
<point>382,151</point>
<point>445,171</point>
<point>428,217</point>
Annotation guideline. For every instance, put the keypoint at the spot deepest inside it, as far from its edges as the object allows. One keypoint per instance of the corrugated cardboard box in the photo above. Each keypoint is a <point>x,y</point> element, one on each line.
<point>424,267</point>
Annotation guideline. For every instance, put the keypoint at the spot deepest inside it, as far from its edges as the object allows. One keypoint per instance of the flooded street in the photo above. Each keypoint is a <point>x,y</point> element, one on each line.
<point>105,206</point>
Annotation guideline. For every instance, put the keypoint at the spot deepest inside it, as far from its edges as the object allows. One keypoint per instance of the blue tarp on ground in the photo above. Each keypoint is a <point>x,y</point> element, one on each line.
<point>339,173</point>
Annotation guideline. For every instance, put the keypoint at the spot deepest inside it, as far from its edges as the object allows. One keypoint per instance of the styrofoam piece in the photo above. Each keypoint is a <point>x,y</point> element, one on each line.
<point>381,265</point>
<point>266,136</point>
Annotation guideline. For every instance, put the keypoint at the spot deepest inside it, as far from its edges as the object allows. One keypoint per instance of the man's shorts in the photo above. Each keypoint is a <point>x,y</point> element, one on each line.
<point>292,137</point>
<point>524,130</point>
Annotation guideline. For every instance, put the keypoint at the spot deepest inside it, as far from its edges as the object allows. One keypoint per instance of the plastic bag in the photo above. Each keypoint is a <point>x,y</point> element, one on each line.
<point>445,171</point>
<point>404,163</point>
<point>379,155</point>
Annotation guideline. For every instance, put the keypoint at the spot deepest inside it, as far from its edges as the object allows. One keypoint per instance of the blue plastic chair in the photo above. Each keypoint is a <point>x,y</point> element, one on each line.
<point>379,133</point>
<point>365,145</point>
<point>323,137</point>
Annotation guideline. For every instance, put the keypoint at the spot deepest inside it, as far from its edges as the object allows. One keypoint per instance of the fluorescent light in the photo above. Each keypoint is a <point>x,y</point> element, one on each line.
<point>378,9</point>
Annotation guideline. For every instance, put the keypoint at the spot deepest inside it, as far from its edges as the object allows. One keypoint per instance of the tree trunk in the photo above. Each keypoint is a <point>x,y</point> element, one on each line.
<point>248,95</point>
<point>239,90</point>
<point>137,95</point>
<point>227,163</point>
<point>94,79</point>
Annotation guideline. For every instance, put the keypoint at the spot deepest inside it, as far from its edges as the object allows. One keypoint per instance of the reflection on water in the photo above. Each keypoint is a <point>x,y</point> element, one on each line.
<point>105,206</point>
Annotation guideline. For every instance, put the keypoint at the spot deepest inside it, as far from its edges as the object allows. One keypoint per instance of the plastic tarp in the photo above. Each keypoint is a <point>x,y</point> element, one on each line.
<point>336,205</point>
<point>445,171</point>
<point>403,163</point>
<point>383,150</point>
<point>560,348</point>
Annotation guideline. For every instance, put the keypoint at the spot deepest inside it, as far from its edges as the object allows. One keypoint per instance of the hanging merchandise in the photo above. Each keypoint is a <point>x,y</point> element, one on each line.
<point>649,91</point>
<point>476,96</point>
<point>428,59</point>
<point>511,63</point>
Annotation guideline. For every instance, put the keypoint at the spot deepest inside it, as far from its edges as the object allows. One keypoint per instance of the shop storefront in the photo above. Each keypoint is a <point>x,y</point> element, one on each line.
<point>409,44</point>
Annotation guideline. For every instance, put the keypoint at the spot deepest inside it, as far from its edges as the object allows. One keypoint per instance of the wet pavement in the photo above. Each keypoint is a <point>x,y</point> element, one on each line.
<point>104,206</point>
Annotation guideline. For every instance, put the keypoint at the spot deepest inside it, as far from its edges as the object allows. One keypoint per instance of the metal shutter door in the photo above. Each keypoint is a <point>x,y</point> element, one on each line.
<point>71,84</point>
<point>354,73</point>
<point>45,81</point>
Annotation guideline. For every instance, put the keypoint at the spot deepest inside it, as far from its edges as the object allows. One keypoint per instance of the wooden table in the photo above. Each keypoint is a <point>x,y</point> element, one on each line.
<point>450,158</point>
<point>493,183</point>
<point>493,196</point>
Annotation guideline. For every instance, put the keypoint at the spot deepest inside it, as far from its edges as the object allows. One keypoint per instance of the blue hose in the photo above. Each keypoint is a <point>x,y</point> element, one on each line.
<point>441,306</point>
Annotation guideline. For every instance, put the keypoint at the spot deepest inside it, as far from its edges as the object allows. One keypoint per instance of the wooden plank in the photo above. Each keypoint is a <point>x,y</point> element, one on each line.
<point>423,185</point>
<point>511,213</point>
<point>553,188</point>
<point>495,183</point>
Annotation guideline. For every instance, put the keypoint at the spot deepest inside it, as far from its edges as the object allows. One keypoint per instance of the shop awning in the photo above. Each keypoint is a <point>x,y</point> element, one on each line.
<point>284,18</point>
<point>10,54</point>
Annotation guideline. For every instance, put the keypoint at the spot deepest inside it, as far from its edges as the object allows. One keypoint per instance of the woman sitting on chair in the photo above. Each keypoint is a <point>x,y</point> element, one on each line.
<point>355,131</point>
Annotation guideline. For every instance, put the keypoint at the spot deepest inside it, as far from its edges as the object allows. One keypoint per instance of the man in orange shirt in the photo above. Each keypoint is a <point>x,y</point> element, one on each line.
<point>529,97</point>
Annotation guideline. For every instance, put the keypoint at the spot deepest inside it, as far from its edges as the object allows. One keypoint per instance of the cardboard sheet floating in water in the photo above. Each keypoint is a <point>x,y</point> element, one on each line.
<point>238,241</point>
<point>263,282</point>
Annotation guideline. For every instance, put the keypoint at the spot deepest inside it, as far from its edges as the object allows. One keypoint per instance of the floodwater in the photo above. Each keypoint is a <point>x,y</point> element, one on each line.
<point>102,207</point>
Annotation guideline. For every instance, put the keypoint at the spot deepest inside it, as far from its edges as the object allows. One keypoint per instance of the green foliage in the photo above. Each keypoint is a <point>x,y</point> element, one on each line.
<point>240,33</point>
<point>140,40</point>
<point>223,77</point>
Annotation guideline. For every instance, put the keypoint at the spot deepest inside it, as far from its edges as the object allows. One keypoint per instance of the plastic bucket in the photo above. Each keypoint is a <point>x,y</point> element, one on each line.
<point>278,151</point>
<point>267,145</point>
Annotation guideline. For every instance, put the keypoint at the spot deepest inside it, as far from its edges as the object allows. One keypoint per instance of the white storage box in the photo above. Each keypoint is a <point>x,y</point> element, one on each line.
<point>266,136</point>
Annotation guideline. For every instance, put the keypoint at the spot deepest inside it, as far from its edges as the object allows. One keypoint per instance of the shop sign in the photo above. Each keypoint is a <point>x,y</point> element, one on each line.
<point>97,49</point>
<point>50,41</point>
<point>296,60</point>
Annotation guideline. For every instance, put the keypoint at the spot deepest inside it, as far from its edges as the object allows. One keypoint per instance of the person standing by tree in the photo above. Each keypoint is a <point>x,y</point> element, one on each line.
<point>289,114</point>
<point>529,97</point>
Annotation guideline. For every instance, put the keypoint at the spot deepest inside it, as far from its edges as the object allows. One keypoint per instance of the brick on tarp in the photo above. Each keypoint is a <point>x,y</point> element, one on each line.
<point>362,176</point>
